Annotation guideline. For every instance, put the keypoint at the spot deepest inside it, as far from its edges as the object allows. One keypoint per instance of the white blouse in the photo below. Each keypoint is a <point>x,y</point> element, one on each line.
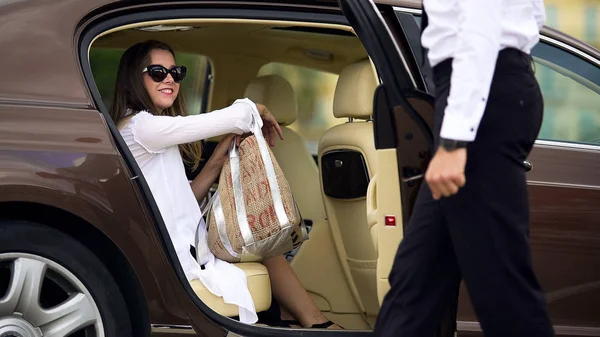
<point>153,141</point>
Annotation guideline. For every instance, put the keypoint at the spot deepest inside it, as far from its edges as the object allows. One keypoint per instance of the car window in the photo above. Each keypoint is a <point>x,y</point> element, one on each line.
<point>571,90</point>
<point>105,61</point>
<point>314,91</point>
<point>570,87</point>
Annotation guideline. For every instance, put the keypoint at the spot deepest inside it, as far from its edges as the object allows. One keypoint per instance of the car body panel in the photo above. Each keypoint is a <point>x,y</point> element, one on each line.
<point>564,191</point>
<point>64,158</point>
<point>41,39</point>
<point>38,43</point>
<point>55,149</point>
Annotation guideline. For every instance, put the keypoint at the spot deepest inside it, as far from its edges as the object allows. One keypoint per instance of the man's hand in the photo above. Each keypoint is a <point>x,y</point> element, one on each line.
<point>446,172</point>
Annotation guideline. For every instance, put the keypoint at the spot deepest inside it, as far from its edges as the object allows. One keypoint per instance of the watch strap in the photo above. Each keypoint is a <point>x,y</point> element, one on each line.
<point>452,144</point>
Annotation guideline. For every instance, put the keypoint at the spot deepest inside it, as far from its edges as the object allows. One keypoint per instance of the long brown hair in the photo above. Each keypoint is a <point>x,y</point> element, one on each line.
<point>130,94</point>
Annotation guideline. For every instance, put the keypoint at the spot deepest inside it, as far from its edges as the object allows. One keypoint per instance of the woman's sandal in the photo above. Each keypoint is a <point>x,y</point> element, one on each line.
<point>314,326</point>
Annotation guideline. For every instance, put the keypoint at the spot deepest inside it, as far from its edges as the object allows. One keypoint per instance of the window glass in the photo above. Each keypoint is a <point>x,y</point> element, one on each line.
<point>570,87</point>
<point>105,62</point>
<point>314,91</point>
<point>571,90</point>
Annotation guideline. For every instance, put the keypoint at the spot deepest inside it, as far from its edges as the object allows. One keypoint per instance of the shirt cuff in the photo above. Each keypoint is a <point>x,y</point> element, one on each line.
<point>255,115</point>
<point>456,127</point>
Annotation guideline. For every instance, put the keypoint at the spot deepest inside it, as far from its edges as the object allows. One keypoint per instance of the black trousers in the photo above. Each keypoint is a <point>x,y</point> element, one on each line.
<point>481,233</point>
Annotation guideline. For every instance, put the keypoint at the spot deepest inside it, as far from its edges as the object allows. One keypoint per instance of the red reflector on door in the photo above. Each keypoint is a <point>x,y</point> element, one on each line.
<point>390,220</point>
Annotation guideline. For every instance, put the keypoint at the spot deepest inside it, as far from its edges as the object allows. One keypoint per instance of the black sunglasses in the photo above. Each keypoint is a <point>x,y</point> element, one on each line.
<point>158,73</point>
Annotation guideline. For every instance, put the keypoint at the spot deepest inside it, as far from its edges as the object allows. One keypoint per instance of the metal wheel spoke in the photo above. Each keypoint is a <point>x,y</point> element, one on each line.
<point>75,313</point>
<point>24,290</point>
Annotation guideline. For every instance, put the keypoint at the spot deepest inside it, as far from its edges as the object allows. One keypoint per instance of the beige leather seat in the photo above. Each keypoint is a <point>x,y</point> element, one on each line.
<point>301,172</point>
<point>347,162</point>
<point>292,154</point>
<point>258,284</point>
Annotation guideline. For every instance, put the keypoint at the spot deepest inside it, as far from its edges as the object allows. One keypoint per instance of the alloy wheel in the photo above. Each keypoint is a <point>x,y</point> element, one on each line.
<point>41,298</point>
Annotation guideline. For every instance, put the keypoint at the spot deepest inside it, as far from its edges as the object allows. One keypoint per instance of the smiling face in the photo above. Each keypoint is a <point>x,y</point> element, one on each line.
<point>164,93</point>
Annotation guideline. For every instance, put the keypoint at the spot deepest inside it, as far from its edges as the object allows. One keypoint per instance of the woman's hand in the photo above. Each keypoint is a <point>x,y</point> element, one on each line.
<point>270,125</point>
<point>209,174</point>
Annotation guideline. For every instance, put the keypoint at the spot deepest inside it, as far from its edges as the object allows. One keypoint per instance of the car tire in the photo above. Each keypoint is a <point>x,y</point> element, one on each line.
<point>38,258</point>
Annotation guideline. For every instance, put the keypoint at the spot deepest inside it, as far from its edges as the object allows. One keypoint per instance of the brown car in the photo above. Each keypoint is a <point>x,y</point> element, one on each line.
<point>84,250</point>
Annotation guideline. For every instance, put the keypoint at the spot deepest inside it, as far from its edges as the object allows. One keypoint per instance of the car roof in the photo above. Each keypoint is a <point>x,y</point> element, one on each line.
<point>548,31</point>
<point>39,38</point>
<point>417,5</point>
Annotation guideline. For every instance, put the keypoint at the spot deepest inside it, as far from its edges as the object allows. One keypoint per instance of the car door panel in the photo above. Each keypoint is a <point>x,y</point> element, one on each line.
<point>564,188</point>
<point>564,196</point>
<point>408,143</point>
<point>564,192</point>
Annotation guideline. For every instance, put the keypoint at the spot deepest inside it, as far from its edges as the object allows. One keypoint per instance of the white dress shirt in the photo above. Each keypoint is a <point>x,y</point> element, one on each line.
<point>472,32</point>
<point>153,141</point>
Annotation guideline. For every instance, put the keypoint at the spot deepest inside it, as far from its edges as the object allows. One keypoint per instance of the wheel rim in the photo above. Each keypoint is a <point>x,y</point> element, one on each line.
<point>31,304</point>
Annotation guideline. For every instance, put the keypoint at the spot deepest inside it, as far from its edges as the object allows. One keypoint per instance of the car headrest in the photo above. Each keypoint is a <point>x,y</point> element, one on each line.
<point>355,90</point>
<point>277,94</point>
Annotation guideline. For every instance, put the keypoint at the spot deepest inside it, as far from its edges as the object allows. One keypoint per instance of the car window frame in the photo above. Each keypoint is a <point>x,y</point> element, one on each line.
<point>584,57</point>
<point>211,320</point>
<point>546,39</point>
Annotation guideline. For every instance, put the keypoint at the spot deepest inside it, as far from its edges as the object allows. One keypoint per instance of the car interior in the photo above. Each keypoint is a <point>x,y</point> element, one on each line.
<point>332,174</point>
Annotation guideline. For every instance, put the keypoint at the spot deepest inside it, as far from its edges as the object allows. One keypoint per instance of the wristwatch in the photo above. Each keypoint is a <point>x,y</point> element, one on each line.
<point>452,144</point>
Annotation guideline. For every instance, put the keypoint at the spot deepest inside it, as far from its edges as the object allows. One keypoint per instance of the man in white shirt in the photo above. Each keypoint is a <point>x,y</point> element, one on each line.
<point>471,219</point>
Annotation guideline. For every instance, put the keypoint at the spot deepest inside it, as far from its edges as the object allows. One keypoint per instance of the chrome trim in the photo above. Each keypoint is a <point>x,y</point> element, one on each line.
<point>577,146</point>
<point>468,326</point>
<point>404,63</point>
<point>569,48</point>
<point>171,326</point>
<point>407,10</point>
<point>576,331</point>
<point>528,165</point>
<point>562,185</point>
<point>558,329</point>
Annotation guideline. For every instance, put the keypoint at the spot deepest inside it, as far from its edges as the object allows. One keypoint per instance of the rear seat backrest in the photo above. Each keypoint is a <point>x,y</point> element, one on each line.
<point>347,162</point>
<point>292,154</point>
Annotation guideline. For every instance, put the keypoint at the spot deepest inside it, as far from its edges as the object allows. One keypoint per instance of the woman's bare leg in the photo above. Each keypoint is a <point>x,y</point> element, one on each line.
<point>290,293</point>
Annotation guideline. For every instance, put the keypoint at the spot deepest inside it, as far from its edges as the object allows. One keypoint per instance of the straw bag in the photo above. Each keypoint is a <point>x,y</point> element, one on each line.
<point>253,215</point>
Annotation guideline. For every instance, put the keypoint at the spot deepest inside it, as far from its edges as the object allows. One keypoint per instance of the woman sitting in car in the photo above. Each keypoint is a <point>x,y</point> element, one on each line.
<point>150,113</point>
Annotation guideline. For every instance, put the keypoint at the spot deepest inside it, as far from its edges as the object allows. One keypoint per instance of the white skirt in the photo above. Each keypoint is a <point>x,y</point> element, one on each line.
<point>224,279</point>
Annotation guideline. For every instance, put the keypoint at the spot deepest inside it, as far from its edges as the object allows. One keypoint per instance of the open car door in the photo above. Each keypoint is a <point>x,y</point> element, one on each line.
<point>403,124</point>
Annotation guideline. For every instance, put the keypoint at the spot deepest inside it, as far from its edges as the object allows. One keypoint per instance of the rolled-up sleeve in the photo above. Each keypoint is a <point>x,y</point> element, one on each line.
<point>156,133</point>
<point>473,67</point>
